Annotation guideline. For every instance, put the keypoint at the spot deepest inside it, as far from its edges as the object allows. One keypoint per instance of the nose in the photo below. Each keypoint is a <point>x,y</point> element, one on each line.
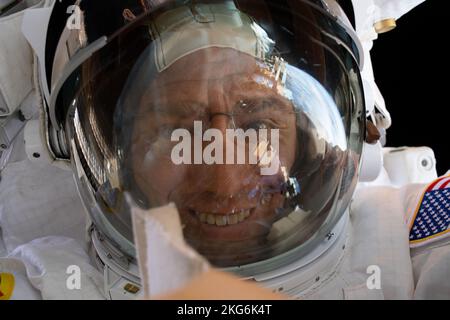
<point>225,179</point>
<point>221,121</point>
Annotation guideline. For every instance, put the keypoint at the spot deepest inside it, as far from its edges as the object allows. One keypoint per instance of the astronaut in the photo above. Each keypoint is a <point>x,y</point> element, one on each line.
<point>155,141</point>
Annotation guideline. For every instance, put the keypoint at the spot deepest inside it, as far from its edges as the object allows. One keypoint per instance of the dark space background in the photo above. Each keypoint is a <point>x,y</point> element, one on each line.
<point>412,69</point>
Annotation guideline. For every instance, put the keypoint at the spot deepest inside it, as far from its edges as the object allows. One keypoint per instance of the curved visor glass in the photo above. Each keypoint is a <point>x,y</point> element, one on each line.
<point>247,115</point>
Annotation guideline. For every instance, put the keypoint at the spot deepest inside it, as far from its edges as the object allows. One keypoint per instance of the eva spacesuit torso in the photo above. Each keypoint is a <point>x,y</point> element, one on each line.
<point>377,234</point>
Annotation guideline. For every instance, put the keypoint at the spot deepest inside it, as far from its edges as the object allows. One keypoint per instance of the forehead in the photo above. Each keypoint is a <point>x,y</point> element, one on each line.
<point>210,64</point>
<point>214,77</point>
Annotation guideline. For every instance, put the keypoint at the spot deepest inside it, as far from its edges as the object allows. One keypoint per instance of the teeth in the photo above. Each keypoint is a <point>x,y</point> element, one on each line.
<point>210,219</point>
<point>223,220</point>
<point>233,219</point>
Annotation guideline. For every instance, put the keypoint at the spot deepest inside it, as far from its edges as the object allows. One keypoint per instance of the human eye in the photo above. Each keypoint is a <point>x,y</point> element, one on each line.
<point>258,125</point>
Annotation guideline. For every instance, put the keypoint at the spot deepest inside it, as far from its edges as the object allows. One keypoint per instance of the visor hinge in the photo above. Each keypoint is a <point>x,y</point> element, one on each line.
<point>113,253</point>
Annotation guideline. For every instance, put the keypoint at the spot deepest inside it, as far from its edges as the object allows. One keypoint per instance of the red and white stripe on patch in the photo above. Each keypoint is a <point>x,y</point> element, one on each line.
<point>441,183</point>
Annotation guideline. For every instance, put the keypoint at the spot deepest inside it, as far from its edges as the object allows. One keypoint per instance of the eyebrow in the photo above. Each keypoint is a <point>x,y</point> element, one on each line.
<point>261,104</point>
<point>184,109</point>
<point>245,105</point>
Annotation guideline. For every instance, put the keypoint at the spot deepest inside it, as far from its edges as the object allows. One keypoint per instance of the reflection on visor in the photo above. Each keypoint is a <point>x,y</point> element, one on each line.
<point>255,140</point>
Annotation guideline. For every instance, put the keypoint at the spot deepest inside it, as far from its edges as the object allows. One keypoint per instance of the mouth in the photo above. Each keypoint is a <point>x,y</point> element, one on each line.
<point>223,220</point>
<point>235,217</point>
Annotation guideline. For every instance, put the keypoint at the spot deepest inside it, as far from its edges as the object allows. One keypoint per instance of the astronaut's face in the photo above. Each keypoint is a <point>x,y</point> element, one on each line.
<point>218,89</point>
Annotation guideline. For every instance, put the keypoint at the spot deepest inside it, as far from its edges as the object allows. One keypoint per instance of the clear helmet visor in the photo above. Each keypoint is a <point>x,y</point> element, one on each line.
<point>249,118</point>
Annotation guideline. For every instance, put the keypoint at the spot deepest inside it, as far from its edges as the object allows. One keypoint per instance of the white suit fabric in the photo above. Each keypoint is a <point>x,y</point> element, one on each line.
<point>43,225</point>
<point>378,236</point>
<point>16,57</point>
<point>37,202</point>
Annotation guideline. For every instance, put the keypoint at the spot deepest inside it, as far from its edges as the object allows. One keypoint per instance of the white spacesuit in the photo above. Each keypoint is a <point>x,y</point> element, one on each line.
<point>92,207</point>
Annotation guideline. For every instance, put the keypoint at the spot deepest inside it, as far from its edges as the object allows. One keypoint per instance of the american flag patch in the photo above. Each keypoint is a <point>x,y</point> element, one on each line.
<point>432,217</point>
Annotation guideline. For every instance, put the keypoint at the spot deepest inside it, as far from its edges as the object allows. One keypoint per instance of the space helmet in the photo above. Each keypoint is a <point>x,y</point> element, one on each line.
<point>247,115</point>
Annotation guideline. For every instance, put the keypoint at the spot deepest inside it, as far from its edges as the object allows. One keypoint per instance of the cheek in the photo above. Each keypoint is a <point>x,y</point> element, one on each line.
<point>287,154</point>
<point>155,175</point>
<point>288,147</point>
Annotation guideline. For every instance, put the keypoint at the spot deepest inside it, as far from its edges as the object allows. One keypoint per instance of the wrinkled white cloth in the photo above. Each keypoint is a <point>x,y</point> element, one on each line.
<point>16,63</point>
<point>394,8</point>
<point>43,233</point>
<point>48,262</point>
<point>166,262</point>
<point>23,289</point>
<point>38,201</point>
<point>379,236</point>
<point>3,251</point>
<point>432,273</point>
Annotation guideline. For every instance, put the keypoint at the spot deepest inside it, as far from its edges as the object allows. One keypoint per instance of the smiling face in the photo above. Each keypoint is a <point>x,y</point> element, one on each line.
<point>223,89</point>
